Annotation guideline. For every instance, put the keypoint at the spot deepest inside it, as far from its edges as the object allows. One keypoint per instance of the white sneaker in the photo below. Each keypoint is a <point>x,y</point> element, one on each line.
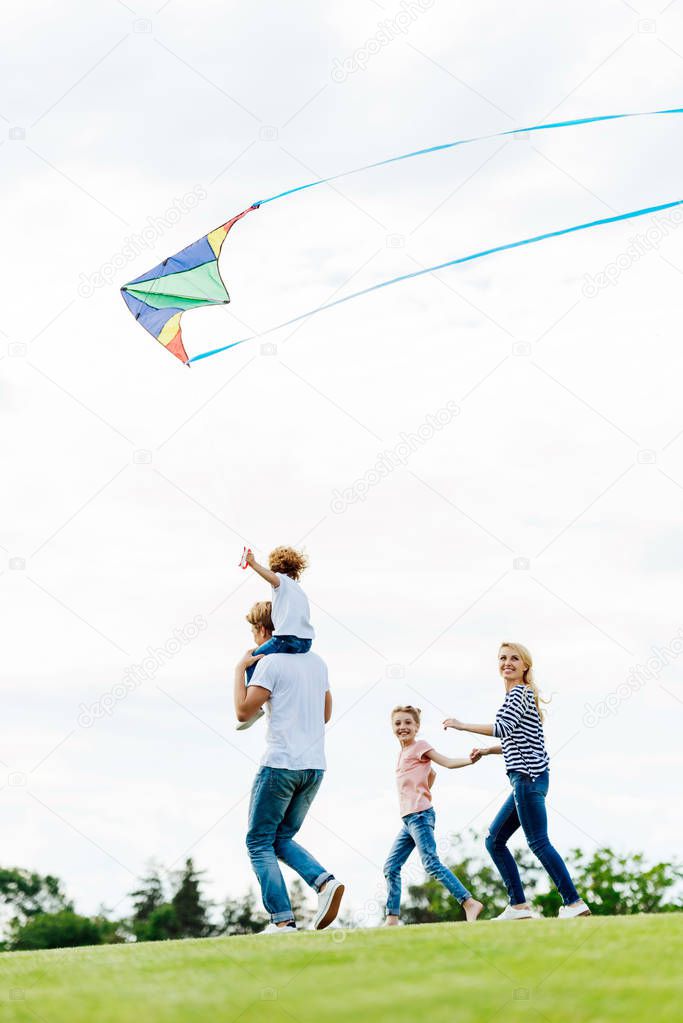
<point>274,929</point>
<point>577,909</point>
<point>243,725</point>
<point>510,913</point>
<point>328,905</point>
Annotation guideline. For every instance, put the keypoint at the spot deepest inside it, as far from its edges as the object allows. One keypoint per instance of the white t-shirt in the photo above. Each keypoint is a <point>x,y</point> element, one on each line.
<point>291,613</point>
<point>296,710</point>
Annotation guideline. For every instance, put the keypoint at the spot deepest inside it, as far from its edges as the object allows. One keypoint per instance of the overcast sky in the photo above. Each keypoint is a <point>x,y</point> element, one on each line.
<point>545,508</point>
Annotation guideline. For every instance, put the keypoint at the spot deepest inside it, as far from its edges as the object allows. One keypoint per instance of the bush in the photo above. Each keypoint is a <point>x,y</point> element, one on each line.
<point>65,929</point>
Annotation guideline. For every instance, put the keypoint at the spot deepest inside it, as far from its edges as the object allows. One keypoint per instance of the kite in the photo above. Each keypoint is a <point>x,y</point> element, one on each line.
<point>191,278</point>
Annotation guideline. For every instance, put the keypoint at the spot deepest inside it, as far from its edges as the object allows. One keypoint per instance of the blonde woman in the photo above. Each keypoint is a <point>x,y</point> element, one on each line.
<point>519,726</point>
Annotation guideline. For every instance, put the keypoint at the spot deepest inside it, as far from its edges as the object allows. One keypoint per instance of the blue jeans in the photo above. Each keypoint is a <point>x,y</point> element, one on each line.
<point>280,645</point>
<point>525,807</point>
<point>418,832</point>
<point>280,800</point>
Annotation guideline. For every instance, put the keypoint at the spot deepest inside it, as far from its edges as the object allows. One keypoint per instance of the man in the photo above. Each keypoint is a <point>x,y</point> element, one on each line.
<point>296,688</point>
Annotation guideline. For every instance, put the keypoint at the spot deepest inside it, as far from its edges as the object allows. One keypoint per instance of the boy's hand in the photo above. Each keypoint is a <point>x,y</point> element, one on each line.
<point>452,723</point>
<point>249,558</point>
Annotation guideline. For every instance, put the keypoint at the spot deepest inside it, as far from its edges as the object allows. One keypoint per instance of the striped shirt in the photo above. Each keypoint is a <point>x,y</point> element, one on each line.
<point>518,725</point>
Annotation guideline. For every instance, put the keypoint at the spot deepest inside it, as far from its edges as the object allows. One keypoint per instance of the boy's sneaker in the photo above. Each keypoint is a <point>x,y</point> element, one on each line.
<point>577,909</point>
<point>510,913</point>
<point>328,904</point>
<point>274,929</point>
<point>243,725</point>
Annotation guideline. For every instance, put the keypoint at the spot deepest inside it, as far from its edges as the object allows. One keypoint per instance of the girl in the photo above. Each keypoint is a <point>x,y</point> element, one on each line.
<point>414,777</point>
<point>519,726</point>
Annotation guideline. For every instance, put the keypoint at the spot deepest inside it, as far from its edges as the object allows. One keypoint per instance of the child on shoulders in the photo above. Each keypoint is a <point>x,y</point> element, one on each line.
<point>292,629</point>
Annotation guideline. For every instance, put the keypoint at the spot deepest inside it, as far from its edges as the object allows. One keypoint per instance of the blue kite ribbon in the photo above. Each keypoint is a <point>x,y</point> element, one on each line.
<point>451,262</point>
<point>576,122</point>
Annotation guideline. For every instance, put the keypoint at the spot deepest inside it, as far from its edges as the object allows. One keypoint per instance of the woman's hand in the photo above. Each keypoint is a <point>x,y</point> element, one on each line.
<point>452,723</point>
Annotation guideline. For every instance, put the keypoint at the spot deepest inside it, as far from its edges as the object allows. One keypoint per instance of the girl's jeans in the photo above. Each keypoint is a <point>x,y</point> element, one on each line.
<point>280,645</point>
<point>418,832</point>
<point>525,807</point>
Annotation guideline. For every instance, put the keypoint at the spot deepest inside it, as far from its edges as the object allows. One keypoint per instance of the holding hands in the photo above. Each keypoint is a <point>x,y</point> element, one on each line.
<point>478,752</point>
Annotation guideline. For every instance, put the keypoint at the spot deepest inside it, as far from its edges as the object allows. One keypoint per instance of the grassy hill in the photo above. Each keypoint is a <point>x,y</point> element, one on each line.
<point>600,969</point>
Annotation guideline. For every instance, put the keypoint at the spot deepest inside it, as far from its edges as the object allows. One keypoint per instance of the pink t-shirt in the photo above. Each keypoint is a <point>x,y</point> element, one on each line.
<point>412,772</point>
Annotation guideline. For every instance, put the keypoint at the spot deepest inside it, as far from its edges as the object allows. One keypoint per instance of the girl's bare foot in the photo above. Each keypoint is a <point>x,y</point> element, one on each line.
<point>472,909</point>
<point>391,921</point>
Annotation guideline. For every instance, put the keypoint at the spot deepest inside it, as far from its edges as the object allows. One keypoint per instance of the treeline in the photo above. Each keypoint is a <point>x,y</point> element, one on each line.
<point>172,905</point>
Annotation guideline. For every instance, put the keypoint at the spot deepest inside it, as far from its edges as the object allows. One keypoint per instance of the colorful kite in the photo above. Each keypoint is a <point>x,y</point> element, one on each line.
<point>187,280</point>
<point>191,278</point>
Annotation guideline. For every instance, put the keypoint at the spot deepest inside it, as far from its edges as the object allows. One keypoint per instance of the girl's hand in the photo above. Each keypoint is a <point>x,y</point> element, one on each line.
<point>477,754</point>
<point>431,778</point>
<point>452,723</point>
<point>249,558</point>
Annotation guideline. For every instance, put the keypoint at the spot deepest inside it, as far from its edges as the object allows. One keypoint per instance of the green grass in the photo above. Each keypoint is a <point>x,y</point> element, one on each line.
<point>600,970</point>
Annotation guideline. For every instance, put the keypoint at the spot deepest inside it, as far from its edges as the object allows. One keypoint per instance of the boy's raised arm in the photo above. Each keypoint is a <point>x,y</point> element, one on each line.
<point>261,570</point>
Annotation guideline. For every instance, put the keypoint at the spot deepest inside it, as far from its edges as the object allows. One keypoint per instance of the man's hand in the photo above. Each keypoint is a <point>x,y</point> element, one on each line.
<point>452,723</point>
<point>477,754</point>
<point>248,659</point>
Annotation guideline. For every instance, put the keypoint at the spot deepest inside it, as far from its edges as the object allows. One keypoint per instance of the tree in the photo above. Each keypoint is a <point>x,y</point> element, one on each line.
<point>64,929</point>
<point>430,902</point>
<point>240,916</point>
<point>611,883</point>
<point>299,899</point>
<point>28,893</point>
<point>616,884</point>
<point>162,925</point>
<point>148,896</point>
<point>190,909</point>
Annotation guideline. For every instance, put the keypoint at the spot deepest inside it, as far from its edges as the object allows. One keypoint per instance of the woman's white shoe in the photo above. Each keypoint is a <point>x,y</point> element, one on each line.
<point>510,913</point>
<point>577,909</point>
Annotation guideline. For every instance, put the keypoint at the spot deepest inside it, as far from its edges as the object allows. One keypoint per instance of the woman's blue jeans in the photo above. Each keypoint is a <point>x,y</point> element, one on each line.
<point>418,833</point>
<point>525,808</point>
<point>280,800</point>
<point>280,645</point>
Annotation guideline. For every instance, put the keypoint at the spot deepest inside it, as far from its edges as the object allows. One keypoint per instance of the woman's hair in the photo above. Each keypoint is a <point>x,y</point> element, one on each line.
<point>528,677</point>
<point>260,615</point>
<point>414,712</point>
<point>287,561</point>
